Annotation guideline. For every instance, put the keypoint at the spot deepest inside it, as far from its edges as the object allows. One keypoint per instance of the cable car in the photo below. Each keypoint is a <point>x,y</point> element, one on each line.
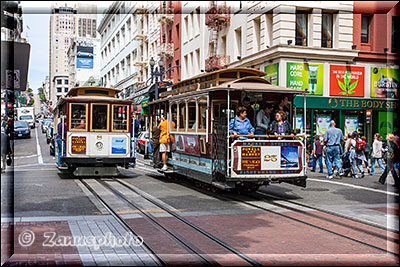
<point>202,108</point>
<point>97,131</point>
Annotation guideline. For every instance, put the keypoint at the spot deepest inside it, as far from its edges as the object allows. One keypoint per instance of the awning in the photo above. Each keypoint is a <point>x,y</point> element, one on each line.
<point>346,103</point>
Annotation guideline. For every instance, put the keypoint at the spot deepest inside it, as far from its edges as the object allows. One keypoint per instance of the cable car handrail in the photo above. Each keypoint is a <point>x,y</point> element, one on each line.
<point>267,135</point>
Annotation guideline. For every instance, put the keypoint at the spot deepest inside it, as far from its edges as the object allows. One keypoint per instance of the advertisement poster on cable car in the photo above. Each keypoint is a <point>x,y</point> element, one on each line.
<point>118,145</point>
<point>187,144</point>
<point>267,157</point>
<point>323,122</point>
<point>350,125</point>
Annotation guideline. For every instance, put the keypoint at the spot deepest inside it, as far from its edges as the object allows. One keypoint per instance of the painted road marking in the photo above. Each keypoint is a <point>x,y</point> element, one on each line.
<point>24,157</point>
<point>354,186</point>
<point>39,152</point>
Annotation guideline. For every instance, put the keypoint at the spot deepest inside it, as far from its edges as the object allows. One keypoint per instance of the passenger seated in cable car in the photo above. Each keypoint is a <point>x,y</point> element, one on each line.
<point>280,126</point>
<point>250,110</point>
<point>263,120</point>
<point>240,125</point>
<point>81,125</point>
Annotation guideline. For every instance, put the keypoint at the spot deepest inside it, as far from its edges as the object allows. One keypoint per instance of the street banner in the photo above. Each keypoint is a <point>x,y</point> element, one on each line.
<point>304,75</point>
<point>272,71</point>
<point>384,82</point>
<point>323,124</point>
<point>299,122</point>
<point>347,80</point>
<point>84,57</point>
<point>267,157</point>
<point>350,125</point>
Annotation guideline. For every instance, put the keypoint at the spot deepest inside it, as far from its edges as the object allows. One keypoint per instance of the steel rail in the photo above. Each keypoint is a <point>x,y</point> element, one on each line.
<point>207,234</point>
<point>203,257</point>
<point>124,224</point>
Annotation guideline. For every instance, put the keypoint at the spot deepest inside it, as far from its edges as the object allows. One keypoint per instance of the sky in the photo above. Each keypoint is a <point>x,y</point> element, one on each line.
<point>36,17</point>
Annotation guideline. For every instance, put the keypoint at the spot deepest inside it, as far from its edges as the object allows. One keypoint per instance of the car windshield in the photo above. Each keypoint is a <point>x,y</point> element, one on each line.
<point>26,117</point>
<point>20,124</point>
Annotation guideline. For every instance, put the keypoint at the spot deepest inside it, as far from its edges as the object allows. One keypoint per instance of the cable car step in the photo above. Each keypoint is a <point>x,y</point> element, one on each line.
<point>62,167</point>
<point>96,171</point>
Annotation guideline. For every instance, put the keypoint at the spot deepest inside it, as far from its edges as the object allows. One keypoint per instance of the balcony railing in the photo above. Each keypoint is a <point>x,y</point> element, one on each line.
<point>139,35</point>
<point>216,63</point>
<point>166,15</point>
<point>140,61</point>
<point>141,7</point>
<point>166,50</point>
<point>218,15</point>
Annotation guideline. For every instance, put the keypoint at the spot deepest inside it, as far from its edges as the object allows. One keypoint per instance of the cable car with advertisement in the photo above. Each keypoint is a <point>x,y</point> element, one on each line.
<point>96,131</point>
<point>202,107</point>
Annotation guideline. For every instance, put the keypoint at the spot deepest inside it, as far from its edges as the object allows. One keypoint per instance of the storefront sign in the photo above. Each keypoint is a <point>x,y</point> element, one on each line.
<point>323,122</point>
<point>304,75</point>
<point>350,125</point>
<point>266,157</point>
<point>347,103</point>
<point>384,82</point>
<point>272,72</point>
<point>118,145</point>
<point>347,80</point>
<point>78,144</point>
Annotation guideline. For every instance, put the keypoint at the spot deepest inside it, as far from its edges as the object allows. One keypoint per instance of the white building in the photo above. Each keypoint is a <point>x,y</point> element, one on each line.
<point>46,87</point>
<point>83,60</point>
<point>68,20</point>
<point>129,35</point>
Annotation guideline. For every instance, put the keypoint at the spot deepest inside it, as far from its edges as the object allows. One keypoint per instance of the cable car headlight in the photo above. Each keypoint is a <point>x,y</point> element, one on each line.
<point>99,145</point>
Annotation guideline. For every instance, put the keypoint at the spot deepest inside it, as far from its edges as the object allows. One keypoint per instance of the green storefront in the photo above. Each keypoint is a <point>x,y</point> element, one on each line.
<point>365,115</point>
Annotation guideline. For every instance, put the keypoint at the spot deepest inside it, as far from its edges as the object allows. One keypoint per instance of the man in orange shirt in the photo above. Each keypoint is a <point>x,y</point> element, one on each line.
<point>165,140</point>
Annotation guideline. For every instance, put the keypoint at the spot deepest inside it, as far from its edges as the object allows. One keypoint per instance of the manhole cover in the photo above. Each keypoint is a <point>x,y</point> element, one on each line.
<point>315,189</point>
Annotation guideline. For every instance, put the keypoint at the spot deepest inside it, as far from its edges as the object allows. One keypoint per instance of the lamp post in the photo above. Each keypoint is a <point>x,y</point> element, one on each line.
<point>156,73</point>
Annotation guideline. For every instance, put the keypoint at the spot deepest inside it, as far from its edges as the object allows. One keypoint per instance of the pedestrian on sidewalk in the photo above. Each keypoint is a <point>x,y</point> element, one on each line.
<point>357,156</point>
<point>333,137</point>
<point>4,150</point>
<point>155,139</point>
<point>366,153</point>
<point>376,155</point>
<point>391,156</point>
<point>317,154</point>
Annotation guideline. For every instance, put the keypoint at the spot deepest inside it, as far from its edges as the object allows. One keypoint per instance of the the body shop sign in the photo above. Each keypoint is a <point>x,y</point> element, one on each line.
<point>272,72</point>
<point>347,80</point>
<point>304,75</point>
<point>384,82</point>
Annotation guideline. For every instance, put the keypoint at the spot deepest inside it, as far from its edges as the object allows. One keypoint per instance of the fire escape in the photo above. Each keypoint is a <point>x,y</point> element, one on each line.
<point>217,17</point>
<point>166,49</point>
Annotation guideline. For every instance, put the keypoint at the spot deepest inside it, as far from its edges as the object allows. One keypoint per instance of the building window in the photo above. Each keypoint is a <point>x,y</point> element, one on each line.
<point>365,29</point>
<point>395,33</point>
<point>65,81</point>
<point>59,89</point>
<point>257,34</point>
<point>66,89</point>
<point>327,29</point>
<point>238,42</point>
<point>301,28</point>
<point>59,81</point>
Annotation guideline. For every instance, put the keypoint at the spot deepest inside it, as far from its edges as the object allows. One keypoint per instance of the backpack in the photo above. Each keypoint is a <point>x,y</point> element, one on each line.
<point>360,145</point>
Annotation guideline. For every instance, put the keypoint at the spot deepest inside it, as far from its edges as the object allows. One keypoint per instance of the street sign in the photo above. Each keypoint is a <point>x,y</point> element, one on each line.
<point>14,65</point>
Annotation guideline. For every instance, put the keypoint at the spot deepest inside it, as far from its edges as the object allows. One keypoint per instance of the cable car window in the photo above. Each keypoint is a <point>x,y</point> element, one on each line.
<point>99,117</point>
<point>182,117</point>
<point>120,118</point>
<point>78,117</point>
<point>192,115</point>
<point>202,114</point>
<point>174,112</point>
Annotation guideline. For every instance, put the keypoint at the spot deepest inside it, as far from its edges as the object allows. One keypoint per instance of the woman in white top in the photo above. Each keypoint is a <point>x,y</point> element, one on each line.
<point>376,153</point>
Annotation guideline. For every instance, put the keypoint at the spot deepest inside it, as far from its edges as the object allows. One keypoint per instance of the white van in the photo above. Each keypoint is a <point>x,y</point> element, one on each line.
<point>27,114</point>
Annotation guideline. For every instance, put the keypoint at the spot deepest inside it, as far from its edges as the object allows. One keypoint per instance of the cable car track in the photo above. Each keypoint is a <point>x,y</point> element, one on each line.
<point>202,257</point>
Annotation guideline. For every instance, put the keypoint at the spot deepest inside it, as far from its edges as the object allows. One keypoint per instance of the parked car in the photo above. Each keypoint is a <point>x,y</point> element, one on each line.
<point>46,124</point>
<point>143,141</point>
<point>22,129</point>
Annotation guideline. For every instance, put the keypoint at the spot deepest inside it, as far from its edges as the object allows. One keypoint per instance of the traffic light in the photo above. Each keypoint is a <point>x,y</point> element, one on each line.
<point>9,21</point>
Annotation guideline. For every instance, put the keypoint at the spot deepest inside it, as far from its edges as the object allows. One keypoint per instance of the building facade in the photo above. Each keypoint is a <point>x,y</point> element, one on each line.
<point>67,20</point>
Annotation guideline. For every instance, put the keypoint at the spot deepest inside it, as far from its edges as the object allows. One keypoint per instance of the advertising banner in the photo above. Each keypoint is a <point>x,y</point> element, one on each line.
<point>78,144</point>
<point>118,145</point>
<point>323,122</point>
<point>299,122</point>
<point>267,157</point>
<point>304,75</point>
<point>386,123</point>
<point>84,57</point>
<point>350,125</point>
<point>384,82</point>
<point>188,144</point>
<point>347,80</point>
<point>272,73</point>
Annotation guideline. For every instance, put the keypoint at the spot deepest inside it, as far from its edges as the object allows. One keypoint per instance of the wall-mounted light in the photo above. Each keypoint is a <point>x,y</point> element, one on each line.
<point>267,46</point>
<point>354,47</point>
<point>239,57</point>
<point>289,42</point>
<point>202,70</point>
<point>385,50</point>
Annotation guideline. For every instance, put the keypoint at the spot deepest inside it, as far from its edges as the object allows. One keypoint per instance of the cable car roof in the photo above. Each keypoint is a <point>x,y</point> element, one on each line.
<point>92,90</point>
